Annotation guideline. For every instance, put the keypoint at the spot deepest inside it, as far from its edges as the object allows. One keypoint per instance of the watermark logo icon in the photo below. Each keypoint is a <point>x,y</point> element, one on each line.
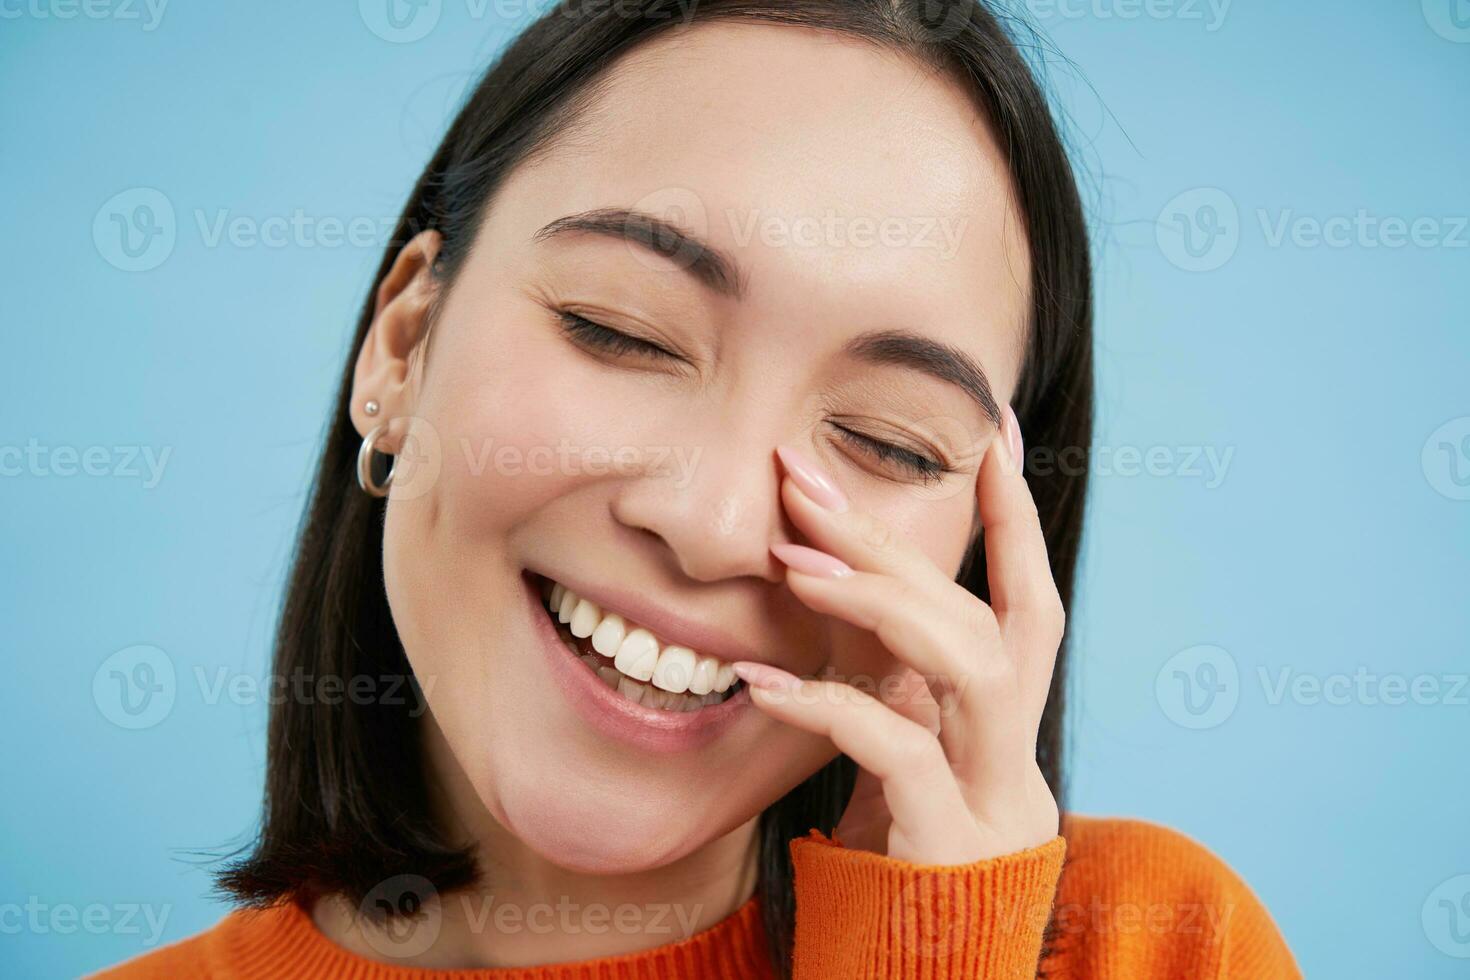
<point>135,230</point>
<point>924,935</point>
<point>1199,230</point>
<point>1446,917</point>
<point>400,21</point>
<point>678,207</point>
<point>418,461</point>
<point>1446,459</point>
<point>1450,19</point>
<point>135,687</point>
<point>401,916</point>
<point>1198,687</point>
<point>943,20</point>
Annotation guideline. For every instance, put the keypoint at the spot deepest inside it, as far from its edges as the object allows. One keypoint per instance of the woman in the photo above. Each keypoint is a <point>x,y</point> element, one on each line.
<point>702,358</point>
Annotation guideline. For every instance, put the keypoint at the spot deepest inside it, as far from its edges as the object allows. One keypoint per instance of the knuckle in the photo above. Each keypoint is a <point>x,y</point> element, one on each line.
<point>854,696</point>
<point>1054,615</point>
<point>983,622</point>
<point>994,674</point>
<point>900,616</point>
<point>1029,508</point>
<point>875,534</point>
<point>908,599</point>
<point>1059,613</point>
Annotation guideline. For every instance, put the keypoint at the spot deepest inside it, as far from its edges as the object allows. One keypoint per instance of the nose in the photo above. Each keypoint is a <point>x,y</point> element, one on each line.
<point>714,504</point>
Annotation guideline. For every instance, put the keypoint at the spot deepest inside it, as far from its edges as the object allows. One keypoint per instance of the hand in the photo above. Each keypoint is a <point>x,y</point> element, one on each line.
<point>948,761</point>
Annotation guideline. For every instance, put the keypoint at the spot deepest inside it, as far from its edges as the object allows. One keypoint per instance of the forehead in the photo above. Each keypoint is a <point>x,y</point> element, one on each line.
<point>857,188</point>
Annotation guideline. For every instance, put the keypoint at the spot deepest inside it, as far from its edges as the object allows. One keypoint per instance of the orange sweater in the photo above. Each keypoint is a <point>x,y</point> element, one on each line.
<point>1137,901</point>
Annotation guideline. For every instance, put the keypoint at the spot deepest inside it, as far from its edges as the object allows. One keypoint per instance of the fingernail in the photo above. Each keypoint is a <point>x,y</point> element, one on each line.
<point>811,561</point>
<point>813,482</point>
<point>1012,431</point>
<point>764,676</point>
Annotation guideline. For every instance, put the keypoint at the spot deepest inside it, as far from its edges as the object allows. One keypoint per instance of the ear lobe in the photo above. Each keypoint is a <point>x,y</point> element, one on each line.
<point>383,372</point>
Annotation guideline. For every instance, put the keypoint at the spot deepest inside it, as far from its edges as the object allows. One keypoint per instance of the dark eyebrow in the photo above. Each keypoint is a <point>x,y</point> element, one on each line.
<point>708,264</point>
<point>720,272</point>
<point>938,360</point>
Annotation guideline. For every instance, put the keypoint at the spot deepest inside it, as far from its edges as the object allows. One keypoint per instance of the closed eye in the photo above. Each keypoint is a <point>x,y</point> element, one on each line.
<point>608,340</point>
<point>602,338</point>
<point>924,467</point>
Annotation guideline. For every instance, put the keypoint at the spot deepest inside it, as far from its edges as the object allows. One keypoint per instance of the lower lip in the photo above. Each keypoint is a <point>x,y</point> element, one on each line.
<point>615,716</point>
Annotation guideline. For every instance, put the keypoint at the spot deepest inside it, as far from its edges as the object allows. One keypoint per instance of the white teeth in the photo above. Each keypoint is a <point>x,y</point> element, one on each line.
<point>674,670</point>
<point>609,635</point>
<point>638,655</point>
<point>651,697</point>
<point>643,670</point>
<point>703,681</point>
<point>584,619</point>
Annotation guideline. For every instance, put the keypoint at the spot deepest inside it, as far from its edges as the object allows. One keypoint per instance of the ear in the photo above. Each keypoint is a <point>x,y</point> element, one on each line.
<point>384,369</point>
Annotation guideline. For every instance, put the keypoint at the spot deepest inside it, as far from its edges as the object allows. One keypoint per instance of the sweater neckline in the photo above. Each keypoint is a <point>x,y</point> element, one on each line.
<point>282,940</point>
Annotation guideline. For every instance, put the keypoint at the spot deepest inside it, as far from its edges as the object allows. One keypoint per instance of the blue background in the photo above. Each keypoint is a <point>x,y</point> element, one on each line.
<point>1335,376</point>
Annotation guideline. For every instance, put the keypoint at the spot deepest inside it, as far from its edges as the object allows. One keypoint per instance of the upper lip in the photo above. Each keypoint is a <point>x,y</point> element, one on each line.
<point>669,627</point>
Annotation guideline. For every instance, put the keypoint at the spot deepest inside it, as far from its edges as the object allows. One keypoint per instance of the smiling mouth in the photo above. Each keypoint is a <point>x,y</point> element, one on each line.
<point>631,660</point>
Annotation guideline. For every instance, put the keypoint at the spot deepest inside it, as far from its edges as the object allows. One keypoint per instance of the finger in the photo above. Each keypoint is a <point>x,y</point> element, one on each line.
<point>907,692</point>
<point>970,682</point>
<point>922,793</point>
<point>1023,593</point>
<point>939,644</point>
<point>857,537</point>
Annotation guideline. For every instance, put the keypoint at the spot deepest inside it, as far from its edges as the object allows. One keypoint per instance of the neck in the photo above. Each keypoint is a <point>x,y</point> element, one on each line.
<point>525,910</point>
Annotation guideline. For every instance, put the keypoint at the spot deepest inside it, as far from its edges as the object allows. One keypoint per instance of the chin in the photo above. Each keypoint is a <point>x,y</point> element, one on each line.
<point>613,825</point>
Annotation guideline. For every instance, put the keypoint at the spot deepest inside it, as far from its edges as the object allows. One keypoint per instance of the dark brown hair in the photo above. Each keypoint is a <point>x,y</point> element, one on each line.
<point>347,801</point>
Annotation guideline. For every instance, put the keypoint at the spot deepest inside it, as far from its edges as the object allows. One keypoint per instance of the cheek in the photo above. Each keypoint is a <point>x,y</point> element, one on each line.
<point>514,438</point>
<point>937,521</point>
<point>490,444</point>
<point>944,534</point>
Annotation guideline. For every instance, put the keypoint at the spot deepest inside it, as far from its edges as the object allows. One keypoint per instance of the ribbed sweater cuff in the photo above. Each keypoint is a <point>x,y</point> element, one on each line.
<point>860,914</point>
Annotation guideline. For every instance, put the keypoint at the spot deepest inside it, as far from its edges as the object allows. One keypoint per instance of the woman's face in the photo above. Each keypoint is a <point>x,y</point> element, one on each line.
<point>853,251</point>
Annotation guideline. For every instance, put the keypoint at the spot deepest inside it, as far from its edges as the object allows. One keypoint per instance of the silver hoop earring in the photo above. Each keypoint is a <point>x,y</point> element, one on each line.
<point>365,466</point>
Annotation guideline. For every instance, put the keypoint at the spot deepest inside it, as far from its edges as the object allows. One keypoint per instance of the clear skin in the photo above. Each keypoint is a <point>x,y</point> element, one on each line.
<point>740,119</point>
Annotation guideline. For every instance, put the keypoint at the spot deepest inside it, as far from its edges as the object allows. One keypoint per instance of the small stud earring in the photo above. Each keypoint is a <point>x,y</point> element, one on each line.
<point>371,407</point>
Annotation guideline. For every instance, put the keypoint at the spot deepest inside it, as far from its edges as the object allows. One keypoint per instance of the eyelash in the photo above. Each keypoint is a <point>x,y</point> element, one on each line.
<point>607,339</point>
<point>612,341</point>
<point>924,467</point>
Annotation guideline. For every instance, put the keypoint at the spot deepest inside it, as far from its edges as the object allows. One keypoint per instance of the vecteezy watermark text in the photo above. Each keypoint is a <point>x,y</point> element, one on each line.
<point>137,687</point>
<point>148,12</point>
<point>39,917</point>
<point>937,233</point>
<point>1208,464</point>
<point>35,459</point>
<point>1201,229</point>
<point>406,21</point>
<point>403,916</point>
<point>569,459</point>
<point>1210,13</point>
<point>1201,686</point>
